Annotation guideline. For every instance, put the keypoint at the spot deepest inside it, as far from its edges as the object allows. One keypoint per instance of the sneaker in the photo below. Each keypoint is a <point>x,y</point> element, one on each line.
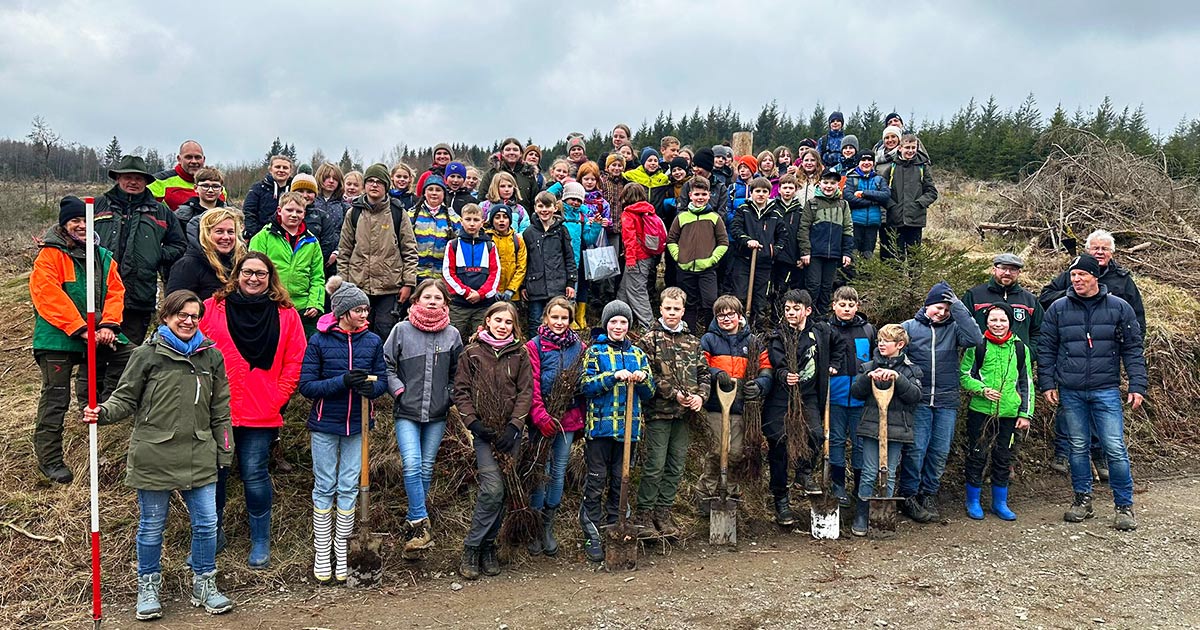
<point>643,520</point>
<point>784,517</point>
<point>665,522</point>
<point>1124,520</point>
<point>1061,464</point>
<point>1080,509</point>
<point>148,606</point>
<point>58,473</point>
<point>929,502</point>
<point>205,593</point>
<point>419,537</point>
<point>913,509</point>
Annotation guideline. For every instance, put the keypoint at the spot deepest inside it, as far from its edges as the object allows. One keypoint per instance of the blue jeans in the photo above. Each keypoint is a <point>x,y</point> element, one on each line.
<point>870,467</point>
<point>152,519</point>
<point>418,443</point>
<point>925,461</point>
<point>843,423</point>
<point>337,462</point>
<point>253,449</point>
<point>550,493</point>
<point>1062,442</point>
<point>1098,412</point>
<point>536,308</point>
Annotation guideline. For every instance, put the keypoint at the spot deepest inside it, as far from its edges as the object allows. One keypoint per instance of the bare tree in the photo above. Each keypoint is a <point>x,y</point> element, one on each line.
<point>44,140</point>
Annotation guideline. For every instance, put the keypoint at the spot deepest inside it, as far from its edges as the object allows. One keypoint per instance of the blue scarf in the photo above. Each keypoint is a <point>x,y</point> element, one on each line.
<point>186,348</point>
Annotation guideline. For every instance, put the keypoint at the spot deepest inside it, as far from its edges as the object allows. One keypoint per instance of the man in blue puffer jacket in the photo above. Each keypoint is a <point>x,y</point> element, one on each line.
<point>937,333</point>
<point>1085,338</point>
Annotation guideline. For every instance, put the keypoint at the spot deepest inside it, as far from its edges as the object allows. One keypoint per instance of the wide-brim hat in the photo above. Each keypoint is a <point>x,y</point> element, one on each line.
<point>131,165</point>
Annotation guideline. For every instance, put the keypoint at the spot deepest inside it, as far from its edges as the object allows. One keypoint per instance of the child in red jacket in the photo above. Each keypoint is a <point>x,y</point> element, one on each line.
<point>636,222</point>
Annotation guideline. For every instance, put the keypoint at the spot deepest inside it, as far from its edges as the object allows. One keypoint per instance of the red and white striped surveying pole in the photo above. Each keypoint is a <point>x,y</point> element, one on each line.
<point>93,463</point>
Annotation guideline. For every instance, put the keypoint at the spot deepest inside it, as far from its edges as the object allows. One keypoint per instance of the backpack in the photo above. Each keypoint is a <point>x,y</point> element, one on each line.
<point>653,233</point>
<point>397,218</point>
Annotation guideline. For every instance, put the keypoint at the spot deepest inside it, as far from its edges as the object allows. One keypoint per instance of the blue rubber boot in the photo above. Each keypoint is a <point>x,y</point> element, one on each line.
<point>1000,504</point>
<point>260,540</point>
<point>974,510</point>
<point>861,519</point>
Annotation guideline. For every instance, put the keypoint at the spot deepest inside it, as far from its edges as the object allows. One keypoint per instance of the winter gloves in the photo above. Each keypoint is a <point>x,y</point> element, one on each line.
<point>508,439</point>
<point>356,381</point>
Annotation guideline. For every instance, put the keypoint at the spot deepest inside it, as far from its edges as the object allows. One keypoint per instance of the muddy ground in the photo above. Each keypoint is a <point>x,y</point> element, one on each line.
<point>1036,573</point>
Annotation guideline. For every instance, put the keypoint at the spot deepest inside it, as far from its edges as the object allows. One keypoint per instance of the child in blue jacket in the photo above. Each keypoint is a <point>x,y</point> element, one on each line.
<point>868,194</point>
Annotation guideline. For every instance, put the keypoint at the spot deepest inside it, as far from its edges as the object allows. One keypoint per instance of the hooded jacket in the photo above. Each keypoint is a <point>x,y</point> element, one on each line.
<point>550,260</point>
<point>506,371</point>
<point>331,353</point>
<point>378,251</point>
<point>727,352</point>
<point>934,348</point>
<point>679,367</point>
<point>758,224</point>
<point>631,229</point>
<point>471,264</point>
<point>527,185</point>
<point>819,344</point>
<point>420,371</point>
<point>301,266</point>
<point>548,361</point>
<point>1006,367</point>
<point>697,239</point>
<point>58,288</point>
<point>858,344</point>
<point>826,229</point>
<point>790,213</point>
<point>432,228</point>
<point>866,210</point>
<point>1084,341</point>
<point>913,191</point>
<point>606,396</point>
<point>262,200</point>
<point>904,402</point>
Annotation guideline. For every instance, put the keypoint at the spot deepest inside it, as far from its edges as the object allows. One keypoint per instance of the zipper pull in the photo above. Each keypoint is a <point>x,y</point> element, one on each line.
<point>1089,338</point>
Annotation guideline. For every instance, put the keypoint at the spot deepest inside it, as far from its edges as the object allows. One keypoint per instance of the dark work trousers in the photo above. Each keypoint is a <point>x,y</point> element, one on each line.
<point>986,433</point>
<point>777,456</point>
<point>895,241</point>
<point>55,398</point>
<point>701,289</point>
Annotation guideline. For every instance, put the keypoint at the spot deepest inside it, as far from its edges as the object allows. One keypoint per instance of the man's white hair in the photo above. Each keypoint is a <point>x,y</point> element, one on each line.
<point>1101,236</point>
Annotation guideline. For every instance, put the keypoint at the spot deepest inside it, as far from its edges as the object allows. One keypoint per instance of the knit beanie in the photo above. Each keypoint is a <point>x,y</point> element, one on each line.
<point>344,296</point>
<point>705,159</point>
<point>573,190</point>
<point>809,143</point>
<point>613,309</point>
<point>434,180</point>
<point>749,161</point>
<point>722,150</point>
<point>678,162</point>
<point>498,208</point>
<point>443,145</point>
<point>937,294</point>
<point>379,171</point>
<point>454,168</point>
<point>850,140</point>
<point>70,207</point>
<point>613,157</point>
<point>1085,263</point>
<point>533,148</point>
<point>1008,310</point>
<point>892,115</point>
<point>893,129</point>
<point>304,182</point>
<point>647,152</point>
<point>837,116</point>
<point>576,142</point>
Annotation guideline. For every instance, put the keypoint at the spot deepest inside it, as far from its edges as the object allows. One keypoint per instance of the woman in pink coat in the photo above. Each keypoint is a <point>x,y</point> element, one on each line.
<point>259,332</point>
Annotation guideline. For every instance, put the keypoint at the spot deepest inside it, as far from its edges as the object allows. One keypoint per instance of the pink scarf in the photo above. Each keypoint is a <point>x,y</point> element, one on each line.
<point>496,344</point>
<point>429,320</point>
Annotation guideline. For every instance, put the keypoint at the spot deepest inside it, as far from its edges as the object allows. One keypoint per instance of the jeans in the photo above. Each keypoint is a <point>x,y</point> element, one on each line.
<point>870,469</point>
<point>985,433</point>
<point>865,239</point>
<point>337,462</point>
<point>925,460</point>
<point>843,424</point>
<point>418,443</point>
<point>252,447</point>
<point>1097,411</point>
<point>152,520</point>
<point>1062,443</point>
<point>666,445</point>
<point>549,494</point>
<point>536,309</point>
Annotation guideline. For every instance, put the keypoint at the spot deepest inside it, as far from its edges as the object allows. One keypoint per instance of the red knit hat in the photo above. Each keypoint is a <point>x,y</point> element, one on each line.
<point>749,161</point>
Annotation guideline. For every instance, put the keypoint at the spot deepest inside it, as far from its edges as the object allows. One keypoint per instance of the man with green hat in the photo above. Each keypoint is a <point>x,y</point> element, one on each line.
<point>143,235</point>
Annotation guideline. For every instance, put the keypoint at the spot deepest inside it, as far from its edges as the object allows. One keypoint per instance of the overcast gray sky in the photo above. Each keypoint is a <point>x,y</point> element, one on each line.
<point>236,74</point>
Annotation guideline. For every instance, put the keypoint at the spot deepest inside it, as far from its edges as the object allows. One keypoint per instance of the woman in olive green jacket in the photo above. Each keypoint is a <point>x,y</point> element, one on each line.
<point>176,391</point>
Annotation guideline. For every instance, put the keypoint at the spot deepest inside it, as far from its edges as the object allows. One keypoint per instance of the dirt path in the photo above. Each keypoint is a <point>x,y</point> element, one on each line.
<point>1036,573</point>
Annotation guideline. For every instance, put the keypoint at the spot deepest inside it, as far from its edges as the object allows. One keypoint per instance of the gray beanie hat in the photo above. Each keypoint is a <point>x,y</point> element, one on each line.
<point>344,296</point>
<point>613,309</point>
<point>850,140</point>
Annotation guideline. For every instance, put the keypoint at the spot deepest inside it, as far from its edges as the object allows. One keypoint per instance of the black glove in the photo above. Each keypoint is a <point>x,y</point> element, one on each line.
<point>487,435</point>
<point>752,390</point>
<point>508,438</point>
<point>724,380</point>
<point>352,378</point>
<point>365,388</point>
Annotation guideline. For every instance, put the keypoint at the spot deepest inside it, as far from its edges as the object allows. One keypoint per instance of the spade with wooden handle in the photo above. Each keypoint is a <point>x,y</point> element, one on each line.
<point>363,560</point>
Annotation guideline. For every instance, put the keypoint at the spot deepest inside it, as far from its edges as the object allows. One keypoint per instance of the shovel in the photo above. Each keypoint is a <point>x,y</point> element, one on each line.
<point>722,520</point>
<point>883,507</point>
<point>826,515</point>
<point>750,291</point>
<point>364,564</point>
<point>621,552</point>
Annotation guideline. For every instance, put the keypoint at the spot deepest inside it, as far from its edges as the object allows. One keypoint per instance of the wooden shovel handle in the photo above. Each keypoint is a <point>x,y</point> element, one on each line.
<point>883,398</point>
<point>364,476</point>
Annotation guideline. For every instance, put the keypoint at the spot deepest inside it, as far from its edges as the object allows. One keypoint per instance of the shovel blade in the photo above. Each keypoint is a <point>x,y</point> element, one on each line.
<point>883,513</point>
<point>622,550</point>
<point>364,564</point>
<point>722,522</point>
<point>826,521</point>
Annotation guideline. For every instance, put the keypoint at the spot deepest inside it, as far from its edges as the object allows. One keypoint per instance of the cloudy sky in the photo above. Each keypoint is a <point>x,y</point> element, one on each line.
<point>237,74</point>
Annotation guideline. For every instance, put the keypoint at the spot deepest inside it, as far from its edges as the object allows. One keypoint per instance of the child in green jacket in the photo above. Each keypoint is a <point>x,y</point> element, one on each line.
<point>297,255</point>
<point>998,376</point>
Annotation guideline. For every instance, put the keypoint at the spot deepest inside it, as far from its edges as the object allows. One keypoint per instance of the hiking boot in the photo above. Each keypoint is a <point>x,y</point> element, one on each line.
<point>929,502</point>
<point>861,519</point>
<point>419,536</point>
<point>912,508</point>
<point>1080,509</point>
<point>784,517</point>
<point>281,464</point>
<point>549,542</point>
<point>469,566</point>
<point>592,545</point>
<point>1061,464</point>
<point>148,606</point>
<point>1102,471</point>
<point>488,560</point>
<point>808,484</point>
<point>665,522</point>
<point>57,472</point>
<point>205,593</point>
<point>643,520</point>
<point>1124,520</point>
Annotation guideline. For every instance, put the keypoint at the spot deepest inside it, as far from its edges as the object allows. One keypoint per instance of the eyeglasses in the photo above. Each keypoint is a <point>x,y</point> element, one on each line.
<point>186,317</point>
<point>374,181</point>
<point>727,316</point>
<point>207,186</point>
<point>361,310</point>
<point>1008,269</point>
<point>254,273</point>
<point>1099,248</point>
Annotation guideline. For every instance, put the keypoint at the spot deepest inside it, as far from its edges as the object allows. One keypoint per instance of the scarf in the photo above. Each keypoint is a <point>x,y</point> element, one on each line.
<point>987,334</point>
<point>429,320</point>
<point>186,348</point>
<point>567,339</point>
<point>496,344</point>
<point>253,324</point>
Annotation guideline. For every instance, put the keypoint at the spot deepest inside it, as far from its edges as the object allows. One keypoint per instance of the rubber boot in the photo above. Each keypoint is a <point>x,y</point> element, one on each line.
<point>535,546</point>
<point>205,593</point>
<point>148,605</point>
<point>469,566</point>
<point>580,322</point>
<point>549,542</point>
<point>837,482</point>
<point>1000,504</point>
<point>260,540</point>
<point>322,544</point>
<point>974,510</point>
<point>343,530</point>
<point>862,517</point>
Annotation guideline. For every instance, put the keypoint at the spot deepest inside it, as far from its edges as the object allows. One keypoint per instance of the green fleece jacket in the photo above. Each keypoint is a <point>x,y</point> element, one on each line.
<point>301,268</point>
